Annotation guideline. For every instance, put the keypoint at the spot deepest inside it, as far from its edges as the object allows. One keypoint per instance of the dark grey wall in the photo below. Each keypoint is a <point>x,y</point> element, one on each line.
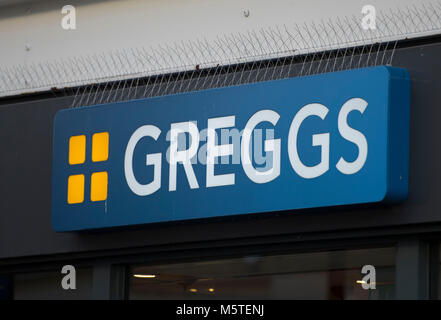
<point>25,183</point>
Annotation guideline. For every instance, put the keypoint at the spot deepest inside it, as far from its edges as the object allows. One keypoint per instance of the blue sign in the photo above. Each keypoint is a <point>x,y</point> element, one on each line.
<point>324,140</point>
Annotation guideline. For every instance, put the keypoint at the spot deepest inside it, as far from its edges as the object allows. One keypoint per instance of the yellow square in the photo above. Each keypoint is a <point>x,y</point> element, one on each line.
<point>75,189</point>
<point>77,149</point>
<point>100,146</point>
<point>98,186</point>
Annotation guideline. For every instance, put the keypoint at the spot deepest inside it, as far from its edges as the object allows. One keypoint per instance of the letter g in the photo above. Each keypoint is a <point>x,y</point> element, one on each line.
<point>151,159</point>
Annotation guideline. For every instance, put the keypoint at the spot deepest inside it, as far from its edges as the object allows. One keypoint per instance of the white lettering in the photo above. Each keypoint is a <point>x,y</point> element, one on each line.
<point>322,140</point>
<point>272,145</point>
<point>214,151</point>
<point>183,156</point>
<point>151,159</point>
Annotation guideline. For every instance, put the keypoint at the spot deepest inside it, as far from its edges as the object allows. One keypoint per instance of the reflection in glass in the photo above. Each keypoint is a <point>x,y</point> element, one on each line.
<point>319,275</point>
<point>47,286</point>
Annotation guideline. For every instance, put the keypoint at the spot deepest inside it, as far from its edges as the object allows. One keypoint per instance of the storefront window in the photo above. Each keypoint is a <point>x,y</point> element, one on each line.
<point>321,275</point>
<point>437,278</point>
<point>47,286</point>
<point>5,287</point>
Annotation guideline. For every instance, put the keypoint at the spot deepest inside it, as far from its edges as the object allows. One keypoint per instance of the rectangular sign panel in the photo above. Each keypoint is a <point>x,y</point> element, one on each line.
<point>323,140</point>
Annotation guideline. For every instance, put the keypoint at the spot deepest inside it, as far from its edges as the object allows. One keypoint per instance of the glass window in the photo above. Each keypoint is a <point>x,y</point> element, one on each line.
<point>47,285</point>
<point>5,287</point>
<point>319,275</point>
<point>436,278</point>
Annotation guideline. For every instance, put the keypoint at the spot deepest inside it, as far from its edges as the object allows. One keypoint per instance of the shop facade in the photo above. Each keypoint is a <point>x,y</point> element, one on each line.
<point>313,253</point>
